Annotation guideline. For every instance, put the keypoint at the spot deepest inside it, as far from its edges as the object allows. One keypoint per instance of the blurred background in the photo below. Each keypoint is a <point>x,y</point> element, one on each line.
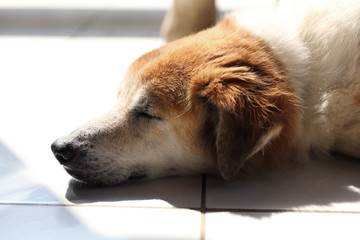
<point>92,18</point>
<point>110,18</point>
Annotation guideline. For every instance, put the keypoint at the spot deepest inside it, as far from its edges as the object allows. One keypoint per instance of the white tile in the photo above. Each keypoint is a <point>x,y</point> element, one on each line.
<point>55,222</point>
<point>333,185</point>
<point>281,226</point>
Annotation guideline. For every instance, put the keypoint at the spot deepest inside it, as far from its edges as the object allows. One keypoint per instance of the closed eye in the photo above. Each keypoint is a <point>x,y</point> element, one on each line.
<point>141,111</point>
<point>145,115</point>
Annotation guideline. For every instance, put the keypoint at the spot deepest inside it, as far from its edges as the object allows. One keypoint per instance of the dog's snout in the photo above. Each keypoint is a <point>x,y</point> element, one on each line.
<point>63,151</point>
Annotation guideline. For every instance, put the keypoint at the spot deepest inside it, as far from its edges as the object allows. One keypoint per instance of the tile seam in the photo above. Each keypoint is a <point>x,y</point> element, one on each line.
<point>89,205</point>
<point>203,206</point>
<point>278,210</point>
<point>202,210</point>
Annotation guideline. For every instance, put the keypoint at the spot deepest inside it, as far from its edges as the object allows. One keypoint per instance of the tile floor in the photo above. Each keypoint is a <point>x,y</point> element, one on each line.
<point>61,62</point>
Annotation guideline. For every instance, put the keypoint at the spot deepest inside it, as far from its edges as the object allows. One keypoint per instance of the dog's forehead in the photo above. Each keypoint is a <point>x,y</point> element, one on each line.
<point>138,97</point>
<point>162,74</point>
<point>167,72</point>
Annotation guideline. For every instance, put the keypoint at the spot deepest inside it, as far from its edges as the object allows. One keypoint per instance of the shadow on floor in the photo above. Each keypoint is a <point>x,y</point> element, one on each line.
<point>181,192</point>
<point>319,184</point>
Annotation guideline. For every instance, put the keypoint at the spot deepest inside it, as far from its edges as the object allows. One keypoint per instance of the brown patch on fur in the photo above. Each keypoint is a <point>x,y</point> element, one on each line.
<point>357,100</point>
<point>227,82</point>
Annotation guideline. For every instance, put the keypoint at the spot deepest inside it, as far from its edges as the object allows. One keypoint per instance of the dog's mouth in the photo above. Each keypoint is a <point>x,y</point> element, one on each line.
<point>137,175</point>
<point>97,179</point>
<point>83,177</point>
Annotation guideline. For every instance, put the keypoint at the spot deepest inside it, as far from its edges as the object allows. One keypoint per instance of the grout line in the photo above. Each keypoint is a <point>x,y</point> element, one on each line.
<point>89,205</point>
<point>203,194</point>
<point>278,211</point>
<point>203,206</point>
<point>202,233</point>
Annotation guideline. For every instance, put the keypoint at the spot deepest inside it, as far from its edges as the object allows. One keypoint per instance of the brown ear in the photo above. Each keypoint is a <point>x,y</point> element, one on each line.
<point>237,142</point>
<point>249,110</point>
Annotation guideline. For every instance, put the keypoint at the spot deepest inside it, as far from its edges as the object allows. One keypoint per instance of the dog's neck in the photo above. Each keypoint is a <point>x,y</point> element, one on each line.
<point>283,39</point>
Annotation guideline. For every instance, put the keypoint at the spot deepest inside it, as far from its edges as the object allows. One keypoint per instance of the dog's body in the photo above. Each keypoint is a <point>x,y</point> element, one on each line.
<point>264,86</point>
<point>318,42</point>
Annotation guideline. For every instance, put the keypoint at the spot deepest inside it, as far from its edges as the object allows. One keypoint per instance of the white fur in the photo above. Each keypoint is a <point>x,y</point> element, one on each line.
<point>265,140</point>
<point>318,41</point>
<point>160,156</point>
<point>122,147</point>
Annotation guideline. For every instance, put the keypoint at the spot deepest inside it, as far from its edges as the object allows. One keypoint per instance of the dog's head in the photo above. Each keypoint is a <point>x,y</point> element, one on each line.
<point>214,102</point>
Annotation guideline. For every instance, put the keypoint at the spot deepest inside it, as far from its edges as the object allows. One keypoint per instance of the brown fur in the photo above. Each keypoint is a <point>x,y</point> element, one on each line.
<point>224,89</point>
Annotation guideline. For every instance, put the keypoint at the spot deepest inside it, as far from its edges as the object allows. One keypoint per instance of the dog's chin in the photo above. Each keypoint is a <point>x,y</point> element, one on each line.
<point>75,184</point>
<point>90,179</point>
<point>94,180</point>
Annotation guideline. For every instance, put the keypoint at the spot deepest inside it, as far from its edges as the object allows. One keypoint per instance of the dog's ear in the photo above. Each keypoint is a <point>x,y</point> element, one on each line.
<point>237,142</point>
<point>249,109</point>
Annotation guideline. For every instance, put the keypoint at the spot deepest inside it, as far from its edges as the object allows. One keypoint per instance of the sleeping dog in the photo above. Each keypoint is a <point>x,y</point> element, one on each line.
<point>263,87</point>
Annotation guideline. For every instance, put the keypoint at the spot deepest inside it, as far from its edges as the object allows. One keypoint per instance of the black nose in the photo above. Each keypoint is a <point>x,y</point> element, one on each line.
<point>63,151</point>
